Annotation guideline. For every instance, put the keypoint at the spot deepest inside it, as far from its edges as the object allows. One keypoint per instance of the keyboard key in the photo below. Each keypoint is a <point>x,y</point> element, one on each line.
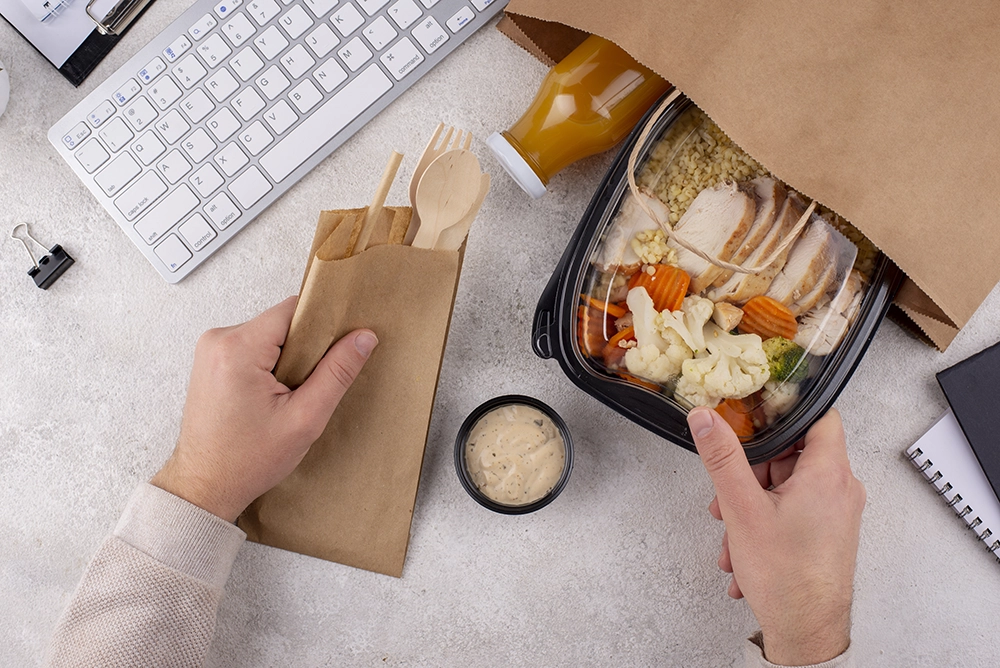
<point>238,29</point>
<point>271,43</point>
<point>231,158</point>
<point>322,40</point>
<point>165,93</point>
<point>148,148</point>
<point>330,75</point>
<point>197,232</point>
<point>115,134</point>
<point>172,127</point>
<point>172,253</point>
<point>372,6</point>
<point>460,19</point>
<point>430,34</point>
<point>272,82</point>
<point>321,7</point>
<point>246,64</point>
<point>263,11</point>
<point>201,28</point>
<point>167,213</point>
<point>222,85</point>
<point>295,22</point>
<point>256,138</point>
<point>280,117</point>
<point>347,19</point>
<point>140,195</point>
<point>355,54</point>
<point>189,71</point>
<point>249,187</point>
<point>402,58</point>
<point>379,33</point>
<point>92,155</point>
<point>428,3</point>
<point>198,145</point>
<point>226,7</point>
<point>404,13</point>
<point>333,116</point>
<point>222,211</point>
<point>101,114</point>
<point>197,106</point>
<point>223,124</point>
<point>177,48</point>
<point>297,61</point>
<point>79,132</point>
<point>214,50</point>
<point>128,90</point>
<point>248,103</point>
<point>141,114</point>
<point>305,96</point>
<point>118,174</point>
<point>173,167</point>
<point>155,68</point>
<point>482,4</point>
<point>206,180</point>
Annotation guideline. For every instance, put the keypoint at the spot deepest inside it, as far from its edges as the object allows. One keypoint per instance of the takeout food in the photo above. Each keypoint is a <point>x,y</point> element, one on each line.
<point>715,284</point>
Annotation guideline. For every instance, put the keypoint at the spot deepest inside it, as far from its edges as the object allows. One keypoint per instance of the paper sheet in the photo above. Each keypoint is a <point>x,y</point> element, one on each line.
<point>59,37</point>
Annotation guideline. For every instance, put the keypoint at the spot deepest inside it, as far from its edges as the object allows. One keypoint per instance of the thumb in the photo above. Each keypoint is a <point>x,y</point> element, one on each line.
<point>736,485</point>
<point>333,376</point>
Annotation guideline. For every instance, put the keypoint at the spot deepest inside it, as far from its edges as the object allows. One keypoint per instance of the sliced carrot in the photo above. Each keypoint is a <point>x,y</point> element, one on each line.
<point>613,310</point>
<point>767,318</point>
<point>612,348</point>
<point>593,329</point>
<point>667,286</point>
<point>739,417</point>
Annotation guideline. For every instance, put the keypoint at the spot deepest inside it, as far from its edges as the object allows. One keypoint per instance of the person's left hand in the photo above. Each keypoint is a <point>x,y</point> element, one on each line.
<point>243,431</point>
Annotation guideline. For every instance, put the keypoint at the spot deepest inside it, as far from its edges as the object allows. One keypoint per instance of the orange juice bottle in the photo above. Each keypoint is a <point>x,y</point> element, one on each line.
<point>588,103</point>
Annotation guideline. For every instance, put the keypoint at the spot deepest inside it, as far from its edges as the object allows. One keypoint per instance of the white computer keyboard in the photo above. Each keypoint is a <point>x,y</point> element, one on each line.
<point>236,100</point>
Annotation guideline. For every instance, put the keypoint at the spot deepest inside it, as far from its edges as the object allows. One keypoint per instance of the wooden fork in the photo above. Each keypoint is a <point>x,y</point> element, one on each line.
<point>450,142</point>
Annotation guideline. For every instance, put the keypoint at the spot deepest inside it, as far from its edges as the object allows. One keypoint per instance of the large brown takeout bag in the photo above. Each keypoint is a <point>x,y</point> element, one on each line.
<point>351,499</point>
<point>887,113</point>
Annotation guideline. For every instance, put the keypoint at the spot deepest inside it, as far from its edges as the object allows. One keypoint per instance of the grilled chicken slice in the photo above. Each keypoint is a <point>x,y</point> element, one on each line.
<point>741,287</point>
<point>717,222</point>
<point>821,329</point>
<point>616,251</point>
<point>769,195</point>
<point>817,264</point>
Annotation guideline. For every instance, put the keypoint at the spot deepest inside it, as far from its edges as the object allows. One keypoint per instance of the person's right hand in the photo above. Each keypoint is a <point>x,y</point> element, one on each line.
<point>791,537</point>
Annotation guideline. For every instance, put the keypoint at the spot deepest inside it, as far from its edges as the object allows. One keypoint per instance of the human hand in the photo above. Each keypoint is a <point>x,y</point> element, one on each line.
<point>243,432</point>
<point>791,538</point>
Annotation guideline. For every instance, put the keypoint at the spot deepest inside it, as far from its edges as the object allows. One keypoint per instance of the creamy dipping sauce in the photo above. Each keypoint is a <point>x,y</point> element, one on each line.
<point>515,454</point>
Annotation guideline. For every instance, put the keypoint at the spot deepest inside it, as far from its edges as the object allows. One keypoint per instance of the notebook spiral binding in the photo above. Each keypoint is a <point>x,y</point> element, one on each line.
<point>964,511</point>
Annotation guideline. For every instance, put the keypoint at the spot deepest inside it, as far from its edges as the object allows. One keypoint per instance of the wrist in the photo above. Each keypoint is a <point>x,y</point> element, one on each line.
<point>804,649</point>
<point>196,490</point>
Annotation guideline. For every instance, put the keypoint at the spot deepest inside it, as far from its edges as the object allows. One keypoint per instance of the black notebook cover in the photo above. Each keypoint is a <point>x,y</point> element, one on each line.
<point>972,388</point>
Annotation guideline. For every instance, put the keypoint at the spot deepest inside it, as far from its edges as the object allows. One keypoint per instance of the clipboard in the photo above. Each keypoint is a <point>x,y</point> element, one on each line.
<point>76,34</point>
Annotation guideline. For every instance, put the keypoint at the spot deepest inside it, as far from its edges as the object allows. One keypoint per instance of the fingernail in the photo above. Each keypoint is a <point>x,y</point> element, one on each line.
<point>365,342</point>
<point>701,422</point>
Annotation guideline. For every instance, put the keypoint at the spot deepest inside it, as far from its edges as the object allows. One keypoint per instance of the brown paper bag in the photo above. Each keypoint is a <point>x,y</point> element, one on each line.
<point>884,112</point>
<point>351,499</point>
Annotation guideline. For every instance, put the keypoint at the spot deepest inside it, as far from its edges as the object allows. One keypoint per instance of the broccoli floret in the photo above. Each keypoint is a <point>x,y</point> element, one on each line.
<point>786,360</point>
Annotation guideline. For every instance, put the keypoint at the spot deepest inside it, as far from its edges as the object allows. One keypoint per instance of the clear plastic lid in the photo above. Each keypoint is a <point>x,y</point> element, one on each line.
<point>715,284</point>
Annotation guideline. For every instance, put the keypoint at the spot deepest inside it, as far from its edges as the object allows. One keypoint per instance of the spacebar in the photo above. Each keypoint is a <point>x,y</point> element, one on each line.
<point>325,123</point>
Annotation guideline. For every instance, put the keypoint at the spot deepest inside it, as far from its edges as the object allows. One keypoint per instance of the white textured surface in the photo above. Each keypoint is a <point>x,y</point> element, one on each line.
<point>620,570</point>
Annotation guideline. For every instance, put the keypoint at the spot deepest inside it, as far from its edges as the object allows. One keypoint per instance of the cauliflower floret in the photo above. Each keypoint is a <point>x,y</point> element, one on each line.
<point>653,336</point>
<point>689,321</point>
<point>778,398</point>
<point>733,367</point>
<point>651,247</point>
<point>658,366</point>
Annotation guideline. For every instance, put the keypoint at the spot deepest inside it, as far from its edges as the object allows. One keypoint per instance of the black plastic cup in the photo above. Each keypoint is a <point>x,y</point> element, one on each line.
<point>463,471</point>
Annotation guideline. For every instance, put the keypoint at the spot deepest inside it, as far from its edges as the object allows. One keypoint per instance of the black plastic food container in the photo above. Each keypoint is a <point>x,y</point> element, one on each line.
<point>463,470</point>
<point>554,329</point>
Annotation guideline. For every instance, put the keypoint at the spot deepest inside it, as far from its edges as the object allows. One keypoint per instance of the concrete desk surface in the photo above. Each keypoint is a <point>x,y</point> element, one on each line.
<point>620,570</point>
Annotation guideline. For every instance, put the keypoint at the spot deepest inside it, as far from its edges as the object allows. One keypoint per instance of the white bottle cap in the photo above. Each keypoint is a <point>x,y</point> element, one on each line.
<point>515,165</point>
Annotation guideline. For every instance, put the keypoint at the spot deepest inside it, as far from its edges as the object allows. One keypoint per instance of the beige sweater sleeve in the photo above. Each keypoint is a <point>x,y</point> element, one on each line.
<point>753,652</point>
<point>150,594</point>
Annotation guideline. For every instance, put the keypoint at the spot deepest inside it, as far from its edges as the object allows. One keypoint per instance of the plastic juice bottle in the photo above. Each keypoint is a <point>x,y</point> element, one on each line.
<point>587,103</point>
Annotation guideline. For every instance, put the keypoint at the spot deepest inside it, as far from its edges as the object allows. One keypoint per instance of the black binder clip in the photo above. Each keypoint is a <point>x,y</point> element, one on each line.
<point>49,267</point>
